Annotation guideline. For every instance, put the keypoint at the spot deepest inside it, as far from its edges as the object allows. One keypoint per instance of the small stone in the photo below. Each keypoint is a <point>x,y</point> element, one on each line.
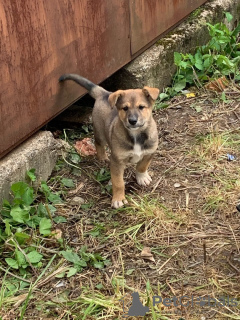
<point>77,201</point>
<point>177,185</point>
<point>60,284</point>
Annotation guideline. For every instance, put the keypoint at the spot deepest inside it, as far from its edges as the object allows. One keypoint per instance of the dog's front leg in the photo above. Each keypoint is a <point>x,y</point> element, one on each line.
<point>117,171</point>
<point>142,176</point>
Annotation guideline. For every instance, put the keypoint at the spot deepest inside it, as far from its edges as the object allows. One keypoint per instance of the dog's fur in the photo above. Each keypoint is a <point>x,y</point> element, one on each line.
<point>123,120</point>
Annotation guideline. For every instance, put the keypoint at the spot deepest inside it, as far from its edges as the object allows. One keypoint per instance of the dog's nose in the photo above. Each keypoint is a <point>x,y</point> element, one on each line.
<point>132,121</point>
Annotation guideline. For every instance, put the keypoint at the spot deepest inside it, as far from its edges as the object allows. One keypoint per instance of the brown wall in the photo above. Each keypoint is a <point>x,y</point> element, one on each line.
<point>41,39</point>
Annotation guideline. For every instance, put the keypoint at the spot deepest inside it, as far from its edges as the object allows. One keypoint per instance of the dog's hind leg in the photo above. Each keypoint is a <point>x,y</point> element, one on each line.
<point>142,176</point>
<point>100,147</point>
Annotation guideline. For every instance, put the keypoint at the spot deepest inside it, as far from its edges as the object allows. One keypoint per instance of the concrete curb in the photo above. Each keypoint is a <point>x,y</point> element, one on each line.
<point>39,152</point>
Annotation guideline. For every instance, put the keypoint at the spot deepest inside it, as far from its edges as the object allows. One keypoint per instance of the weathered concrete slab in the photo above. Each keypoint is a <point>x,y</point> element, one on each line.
<point>155,67</point>
<point>39,152</point>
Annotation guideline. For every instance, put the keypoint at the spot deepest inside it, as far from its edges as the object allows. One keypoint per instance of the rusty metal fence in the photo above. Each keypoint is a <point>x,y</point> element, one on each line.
<point>41,39</point>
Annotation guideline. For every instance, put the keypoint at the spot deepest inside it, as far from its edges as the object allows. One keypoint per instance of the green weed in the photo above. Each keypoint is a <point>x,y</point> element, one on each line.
<point>219,57</point>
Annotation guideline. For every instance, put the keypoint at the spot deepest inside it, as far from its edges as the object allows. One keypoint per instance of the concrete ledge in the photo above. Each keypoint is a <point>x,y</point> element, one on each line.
<point>39,152</point>
<point>155,67</point>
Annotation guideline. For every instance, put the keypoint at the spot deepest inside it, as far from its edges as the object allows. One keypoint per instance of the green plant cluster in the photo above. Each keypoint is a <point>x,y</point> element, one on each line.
<point>19,218</point>
<point>30,218</point>
<point>219,57</point>
<point>81,260</point>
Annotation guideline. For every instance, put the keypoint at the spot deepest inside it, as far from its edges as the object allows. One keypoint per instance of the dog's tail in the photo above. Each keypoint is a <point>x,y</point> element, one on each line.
<point>94,90</point>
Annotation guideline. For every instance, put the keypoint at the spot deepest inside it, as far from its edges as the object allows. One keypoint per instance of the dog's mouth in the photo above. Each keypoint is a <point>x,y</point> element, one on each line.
<point>135,126</point>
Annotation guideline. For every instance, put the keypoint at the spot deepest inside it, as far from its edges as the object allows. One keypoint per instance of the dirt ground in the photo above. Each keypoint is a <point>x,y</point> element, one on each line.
<point>187,217</point>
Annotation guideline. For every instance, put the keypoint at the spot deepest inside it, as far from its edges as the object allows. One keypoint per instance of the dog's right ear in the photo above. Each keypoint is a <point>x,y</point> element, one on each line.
<point>113,98</point>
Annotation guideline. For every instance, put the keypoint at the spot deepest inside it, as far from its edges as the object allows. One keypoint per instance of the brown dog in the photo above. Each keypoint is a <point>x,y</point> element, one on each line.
<point>123,120</point>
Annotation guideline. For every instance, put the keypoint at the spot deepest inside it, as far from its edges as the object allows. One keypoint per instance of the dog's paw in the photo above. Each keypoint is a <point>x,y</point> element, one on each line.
<point>143,179</point>
<point>118,203</point>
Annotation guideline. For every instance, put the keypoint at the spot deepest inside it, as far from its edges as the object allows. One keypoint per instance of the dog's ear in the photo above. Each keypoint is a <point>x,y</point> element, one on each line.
<point>113,98</point>
<point>151,92</point>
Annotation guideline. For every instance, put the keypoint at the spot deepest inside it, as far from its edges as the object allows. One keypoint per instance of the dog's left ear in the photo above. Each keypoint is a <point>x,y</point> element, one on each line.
<point>113,98</point>
<point>151,92</point>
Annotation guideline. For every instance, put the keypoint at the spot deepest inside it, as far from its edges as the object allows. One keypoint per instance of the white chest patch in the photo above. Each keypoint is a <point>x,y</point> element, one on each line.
<point>137,153</point>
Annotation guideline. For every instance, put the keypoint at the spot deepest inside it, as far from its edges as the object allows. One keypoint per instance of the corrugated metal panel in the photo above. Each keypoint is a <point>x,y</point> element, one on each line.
<point>40,40</point>
<point>151,18</point>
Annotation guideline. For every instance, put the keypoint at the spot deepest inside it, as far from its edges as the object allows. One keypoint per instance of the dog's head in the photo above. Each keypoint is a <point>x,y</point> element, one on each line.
<point>134,106</point>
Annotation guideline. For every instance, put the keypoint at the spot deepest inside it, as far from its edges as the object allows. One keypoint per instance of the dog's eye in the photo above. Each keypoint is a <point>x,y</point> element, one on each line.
<point>125,108</point>
<point>141,107</point>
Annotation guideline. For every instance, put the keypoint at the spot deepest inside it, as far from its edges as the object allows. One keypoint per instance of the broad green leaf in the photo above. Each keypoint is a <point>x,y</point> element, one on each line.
<point>177,58</point>
<point>12,263</point>
<point>129,271</point>
<point>45,226</point>
<point>85,128</point>
<point>34,221</point>
<point>21,237</point>
<point>68,183</point>
<point>199,66</point>
<point>198,61</point>
<point>51,208</point>
<point>180,85</point>
<point>184,64</point>
<point>31,174</point>
<point>81,263</point>
<point>207,63</point>
<point>59,219</point>
<point>99,286</point>
<point>20,258</point>
<point>75,158</point>
<point>41,210</point>
<point>45,189</point>
<point>161,105</point>
<point>20,215</point>
<point>34,256</point>
<point>7,227</point>
<point>54,198</point>
<point>107,262</point>
<point>163,96</point>
<point>71,272</point>
<point>23,194</point>
<point>70,256</point>
<point>6,208</point>
<point>228,16</point>
<point>98,265</point>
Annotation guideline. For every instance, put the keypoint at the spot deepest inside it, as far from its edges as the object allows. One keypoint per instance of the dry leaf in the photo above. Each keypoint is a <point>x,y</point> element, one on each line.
<point>57,234</point>
<point>146,254</point>
<point>85,147</point>
<point>190,95</point>
<point>79,187</point>
<point>217,85</point>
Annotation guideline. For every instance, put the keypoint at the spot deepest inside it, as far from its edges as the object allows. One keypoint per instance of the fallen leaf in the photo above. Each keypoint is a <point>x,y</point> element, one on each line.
<point>85,147</point>
<point>57,234</point>
<point>190,95</point>
<point>146,254</point>
<point>217,85</point>
<point>79,187</point>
